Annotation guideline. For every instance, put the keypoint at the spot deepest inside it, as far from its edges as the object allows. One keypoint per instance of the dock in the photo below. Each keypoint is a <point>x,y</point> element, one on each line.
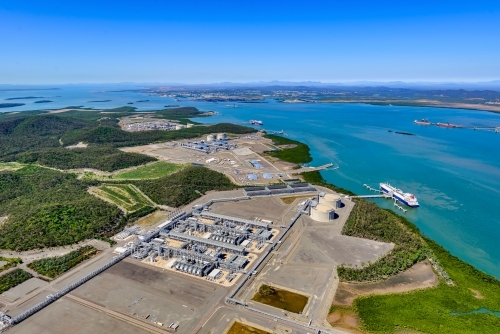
<point>381,195</point>
<point>312,169</point>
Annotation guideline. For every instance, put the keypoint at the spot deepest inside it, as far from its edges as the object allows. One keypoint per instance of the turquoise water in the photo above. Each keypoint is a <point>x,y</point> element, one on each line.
<point>455,173</point>
<point>481,310</point>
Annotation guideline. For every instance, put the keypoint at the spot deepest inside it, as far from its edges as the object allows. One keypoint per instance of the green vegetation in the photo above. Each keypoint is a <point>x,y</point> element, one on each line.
<point>184,186</point>
<point>47,208</point>
<point>55,266</point>
<point>428,311</point>
<point>297,153</point>
<point>283,299</point>
<point>126,196</point>
<point>103,158</point>
<point>10,166</point>
<point>369,221</point>
<point>239,328</point>
<point>12,279</point>
<point>431,310</point>
<point>31,137</point>
<point>11,262</point>
<point>315,177</point>
<point>152,171</point>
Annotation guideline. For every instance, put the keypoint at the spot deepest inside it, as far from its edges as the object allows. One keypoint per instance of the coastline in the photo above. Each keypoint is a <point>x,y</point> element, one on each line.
<point>421,103</point>
<point>451,306</point>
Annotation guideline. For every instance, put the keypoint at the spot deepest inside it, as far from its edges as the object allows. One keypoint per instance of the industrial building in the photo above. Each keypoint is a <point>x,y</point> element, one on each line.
<point>279,189</point>
<point>202,242</point>
<point>213,144</point>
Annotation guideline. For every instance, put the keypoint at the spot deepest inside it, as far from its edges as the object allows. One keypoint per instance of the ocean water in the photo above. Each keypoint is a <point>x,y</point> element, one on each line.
<point>455,173</point>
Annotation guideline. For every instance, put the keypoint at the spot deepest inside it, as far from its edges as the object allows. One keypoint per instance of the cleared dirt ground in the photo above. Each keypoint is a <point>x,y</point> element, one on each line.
<point>419,276</point>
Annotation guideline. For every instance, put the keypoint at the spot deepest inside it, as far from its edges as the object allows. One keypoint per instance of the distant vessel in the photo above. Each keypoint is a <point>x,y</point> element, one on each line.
<point>255,122</point>
<point>399,195</point>
<point>423,121</point>
<point>448,125</point>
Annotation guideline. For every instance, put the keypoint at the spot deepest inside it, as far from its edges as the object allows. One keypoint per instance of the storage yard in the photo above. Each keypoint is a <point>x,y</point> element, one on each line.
<point>183,272</point>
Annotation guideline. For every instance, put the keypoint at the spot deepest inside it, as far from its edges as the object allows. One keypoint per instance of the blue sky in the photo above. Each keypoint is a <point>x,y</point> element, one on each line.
<point>246,41</point>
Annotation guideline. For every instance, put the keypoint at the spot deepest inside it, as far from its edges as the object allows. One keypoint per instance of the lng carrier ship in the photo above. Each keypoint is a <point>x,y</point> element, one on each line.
<point>399,195</point>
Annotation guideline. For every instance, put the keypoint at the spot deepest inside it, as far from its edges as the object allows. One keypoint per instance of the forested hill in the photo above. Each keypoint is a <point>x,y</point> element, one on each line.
<point>34,137</point>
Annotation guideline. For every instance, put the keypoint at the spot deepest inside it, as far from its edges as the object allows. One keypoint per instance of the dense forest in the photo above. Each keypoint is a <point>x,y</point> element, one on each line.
<point>40,138</point>
<point>369,221</point>
<point>55,266</point>
<point>47,208</point>
<point>184,186</point>
<point>105,158</point>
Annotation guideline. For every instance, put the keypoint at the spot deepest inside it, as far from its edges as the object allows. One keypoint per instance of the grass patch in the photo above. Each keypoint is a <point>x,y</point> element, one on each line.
<point>279,298</point>
<point>291,199</point>
<point>239,328</point>
<point>152,171</point>
<point>152,219</point>
<point>11,262</point>
<point>298,154</point>
<point>125,196</point>
<point>55,266</point>
<point>13,278</point>
<point>10,166</point>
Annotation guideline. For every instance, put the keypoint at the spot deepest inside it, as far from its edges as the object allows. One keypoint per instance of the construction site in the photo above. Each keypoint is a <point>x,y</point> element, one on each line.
<point>198,270</point>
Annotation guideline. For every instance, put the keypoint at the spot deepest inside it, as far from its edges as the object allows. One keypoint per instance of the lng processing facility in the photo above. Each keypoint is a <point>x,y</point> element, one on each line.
<point>211,257</point>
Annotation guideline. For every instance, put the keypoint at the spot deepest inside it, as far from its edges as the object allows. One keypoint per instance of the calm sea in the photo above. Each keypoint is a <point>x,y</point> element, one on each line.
<point>455,173</point>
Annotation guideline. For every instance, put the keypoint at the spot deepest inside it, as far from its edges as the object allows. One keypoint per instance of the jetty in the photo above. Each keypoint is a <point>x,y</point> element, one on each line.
<point>312,169</point>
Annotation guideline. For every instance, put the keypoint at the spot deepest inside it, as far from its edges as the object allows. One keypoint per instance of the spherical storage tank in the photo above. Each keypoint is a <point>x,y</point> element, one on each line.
<point>322,213</point>
<point>221,136</point>
<point>210,137</point>
<point>332,200</point>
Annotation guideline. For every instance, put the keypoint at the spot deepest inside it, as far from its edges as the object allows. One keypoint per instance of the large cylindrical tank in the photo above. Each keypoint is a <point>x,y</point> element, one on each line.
<point>332,200</point>
<point>211,138</point>
<point>221,136</point>
<point>322,213</point>
<point>179,126</point>
<point>190,125</point>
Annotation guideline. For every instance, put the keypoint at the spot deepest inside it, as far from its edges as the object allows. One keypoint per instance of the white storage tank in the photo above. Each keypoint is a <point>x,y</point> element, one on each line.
<point>211,138</point>
<point>322,213</point>
<point>332,200</point>
<point>190,125</point>
<point>221,136</point>
<point>179,126</point>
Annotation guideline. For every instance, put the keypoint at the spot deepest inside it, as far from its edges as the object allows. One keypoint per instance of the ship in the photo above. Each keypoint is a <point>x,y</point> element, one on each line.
<point>448,125</point>
<point>399,195</point>
<point>255,122</point>
<point>423,121</point>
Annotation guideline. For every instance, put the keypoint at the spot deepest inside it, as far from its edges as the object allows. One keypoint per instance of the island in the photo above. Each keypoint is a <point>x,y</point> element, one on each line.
<point>10,105</point>
<point>43,101</point>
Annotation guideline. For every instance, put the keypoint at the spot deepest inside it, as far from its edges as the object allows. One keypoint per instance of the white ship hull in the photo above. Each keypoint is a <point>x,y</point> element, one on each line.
<point>405,198</point>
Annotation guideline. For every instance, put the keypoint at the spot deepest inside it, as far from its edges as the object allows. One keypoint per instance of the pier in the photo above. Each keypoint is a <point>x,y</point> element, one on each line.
<point>312,169</point>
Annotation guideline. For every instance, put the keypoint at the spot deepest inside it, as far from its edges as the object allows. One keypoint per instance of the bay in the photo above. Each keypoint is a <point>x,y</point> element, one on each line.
<point>455,173</point>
